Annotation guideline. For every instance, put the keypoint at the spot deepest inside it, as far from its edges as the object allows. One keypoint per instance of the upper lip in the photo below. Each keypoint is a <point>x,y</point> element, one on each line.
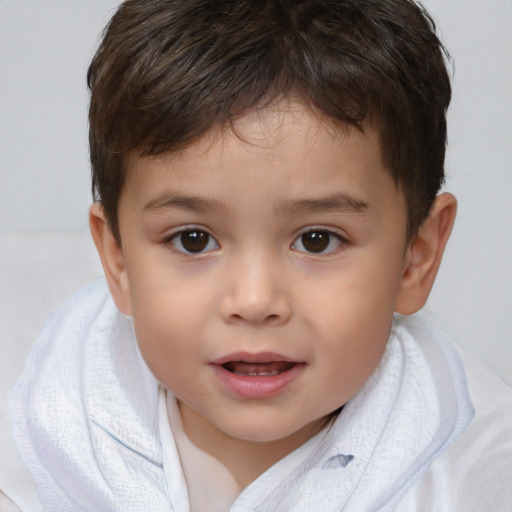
<point>248,357</point>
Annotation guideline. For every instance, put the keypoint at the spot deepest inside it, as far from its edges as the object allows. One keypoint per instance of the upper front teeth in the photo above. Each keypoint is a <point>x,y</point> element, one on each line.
<point>257,374</point>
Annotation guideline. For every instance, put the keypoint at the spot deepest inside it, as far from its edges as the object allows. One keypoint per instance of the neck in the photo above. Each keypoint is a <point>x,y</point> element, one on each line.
<point>246,460</point>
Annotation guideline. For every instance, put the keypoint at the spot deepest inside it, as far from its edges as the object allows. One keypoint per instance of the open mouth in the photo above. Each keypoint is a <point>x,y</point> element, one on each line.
<point>257,376</point>
<point>253,369</point>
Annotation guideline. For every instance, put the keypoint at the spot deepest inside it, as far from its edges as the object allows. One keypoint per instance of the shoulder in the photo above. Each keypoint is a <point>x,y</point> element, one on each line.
<point>474,473</point>
<point>52,372</point>
<point>484,453</point>
<point>46,357</point>
<point>85,407</point>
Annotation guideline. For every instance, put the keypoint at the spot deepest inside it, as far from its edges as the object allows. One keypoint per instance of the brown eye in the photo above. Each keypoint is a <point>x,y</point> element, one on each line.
<point>317,241</point>
<point>194,241</point>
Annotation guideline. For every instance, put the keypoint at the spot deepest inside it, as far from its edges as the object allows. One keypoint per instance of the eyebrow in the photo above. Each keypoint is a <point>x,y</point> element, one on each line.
<point>181,202</point>
<point>342,203</point>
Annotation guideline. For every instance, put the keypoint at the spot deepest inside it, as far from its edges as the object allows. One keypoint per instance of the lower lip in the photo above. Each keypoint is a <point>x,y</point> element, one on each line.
<point>254,386</point>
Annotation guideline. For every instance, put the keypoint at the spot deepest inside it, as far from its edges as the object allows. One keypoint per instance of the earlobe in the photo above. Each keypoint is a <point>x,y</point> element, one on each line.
<point>112,259</point>
<point>424,255</point>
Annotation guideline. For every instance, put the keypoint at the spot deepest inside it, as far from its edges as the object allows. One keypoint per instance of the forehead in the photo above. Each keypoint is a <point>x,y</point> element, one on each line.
<point>264,130</point>
<point>281,151</point>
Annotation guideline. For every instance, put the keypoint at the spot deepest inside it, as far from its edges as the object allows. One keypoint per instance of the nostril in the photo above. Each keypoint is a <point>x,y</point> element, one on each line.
<point>254,310</point>
<point>265,319</point>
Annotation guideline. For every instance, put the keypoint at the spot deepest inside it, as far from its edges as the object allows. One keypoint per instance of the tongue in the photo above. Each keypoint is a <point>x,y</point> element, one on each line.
<point>262,369</point>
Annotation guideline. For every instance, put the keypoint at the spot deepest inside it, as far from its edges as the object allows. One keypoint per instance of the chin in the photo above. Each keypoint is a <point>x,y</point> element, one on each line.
<point>268,430</point>
<point>258,433</point>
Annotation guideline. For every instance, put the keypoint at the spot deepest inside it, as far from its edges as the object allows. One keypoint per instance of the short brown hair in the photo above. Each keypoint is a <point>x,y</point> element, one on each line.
<point>168,71</point>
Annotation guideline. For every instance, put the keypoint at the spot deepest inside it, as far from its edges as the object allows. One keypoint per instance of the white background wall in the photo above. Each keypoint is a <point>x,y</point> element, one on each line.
<point>45,48</point>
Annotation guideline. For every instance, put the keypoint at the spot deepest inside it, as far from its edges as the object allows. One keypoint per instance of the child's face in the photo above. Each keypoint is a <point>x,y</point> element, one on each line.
<point>262,270</point>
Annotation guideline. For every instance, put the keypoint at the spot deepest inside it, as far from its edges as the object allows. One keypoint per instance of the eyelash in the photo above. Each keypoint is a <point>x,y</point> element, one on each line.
<point>204,240</point>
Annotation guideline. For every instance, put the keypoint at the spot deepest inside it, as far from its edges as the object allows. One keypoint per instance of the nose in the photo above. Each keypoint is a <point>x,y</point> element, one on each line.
<point>255,292</point>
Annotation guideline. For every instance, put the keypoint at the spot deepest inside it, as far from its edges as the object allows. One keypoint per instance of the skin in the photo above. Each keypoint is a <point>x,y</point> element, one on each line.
<point>256,286</point>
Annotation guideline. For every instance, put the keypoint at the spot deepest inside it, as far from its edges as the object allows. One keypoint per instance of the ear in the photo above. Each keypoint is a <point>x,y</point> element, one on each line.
<point>112,259</point>
<point>424,255</point>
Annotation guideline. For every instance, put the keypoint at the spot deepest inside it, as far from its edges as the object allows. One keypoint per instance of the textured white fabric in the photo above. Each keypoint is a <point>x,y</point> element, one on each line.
<point>84,412</point>
<point>475,473</point>
<point>39,270</point>
<point>86,422</point>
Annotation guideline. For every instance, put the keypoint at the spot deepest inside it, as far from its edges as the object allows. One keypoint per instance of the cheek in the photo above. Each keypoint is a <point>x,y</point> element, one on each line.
<point>352,317</point>
<point>358,298</point>
<point>353,348</point>
<point>373,284</point>
<point>169,325</point>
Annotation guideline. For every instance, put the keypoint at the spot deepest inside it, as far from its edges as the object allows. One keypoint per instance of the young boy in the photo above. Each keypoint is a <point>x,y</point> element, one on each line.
<point>266,177</point>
